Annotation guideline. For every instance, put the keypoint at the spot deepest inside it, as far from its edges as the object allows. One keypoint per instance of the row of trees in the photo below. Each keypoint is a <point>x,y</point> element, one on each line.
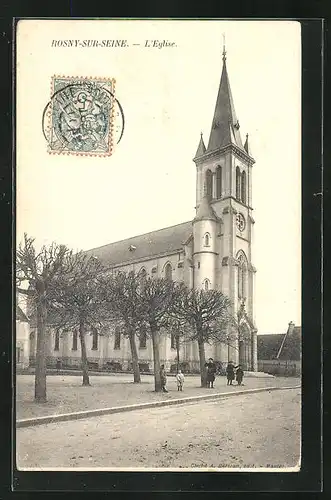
<point>68,290</point>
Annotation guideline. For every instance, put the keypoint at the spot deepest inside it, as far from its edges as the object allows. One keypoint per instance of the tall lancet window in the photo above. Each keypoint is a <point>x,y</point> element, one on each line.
<point>209,183</point>
<point>74,340</point>
<point>168,272</point>
<point>206,285</point>
<point>243,187</point>
<point>117,342</point>
<point>238,182</point>
<point>242,274</point>
<point>219,182</point>
<point>142,275</point>
<point>57,340</point>
<point>94,339</point>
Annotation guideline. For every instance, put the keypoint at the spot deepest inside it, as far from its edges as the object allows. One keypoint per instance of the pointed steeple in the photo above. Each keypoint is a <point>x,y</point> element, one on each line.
<point>201,148</point>
<point>246,146</point>
<point>225,125</point>
<point>205,210</point>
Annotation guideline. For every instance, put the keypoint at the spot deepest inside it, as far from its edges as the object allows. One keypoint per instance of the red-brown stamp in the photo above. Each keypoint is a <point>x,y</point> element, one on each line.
<point>79,119</point>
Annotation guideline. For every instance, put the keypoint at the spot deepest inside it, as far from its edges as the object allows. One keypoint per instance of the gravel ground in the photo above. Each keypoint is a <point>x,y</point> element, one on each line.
<point>65,393</point>
<point>256,430</point>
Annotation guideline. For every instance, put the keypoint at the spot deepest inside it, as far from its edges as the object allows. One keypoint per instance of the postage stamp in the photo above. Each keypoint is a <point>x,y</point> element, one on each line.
<point>81,116</point>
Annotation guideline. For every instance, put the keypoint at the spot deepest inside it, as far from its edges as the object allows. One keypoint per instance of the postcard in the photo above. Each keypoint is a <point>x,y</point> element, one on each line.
<point>158,287</point>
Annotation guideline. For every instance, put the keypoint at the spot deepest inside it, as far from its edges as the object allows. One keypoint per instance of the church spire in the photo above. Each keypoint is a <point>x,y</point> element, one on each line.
<point>205,210</point>
<point>246,146</point>
<point>225,125</point>
<point>201,148</point>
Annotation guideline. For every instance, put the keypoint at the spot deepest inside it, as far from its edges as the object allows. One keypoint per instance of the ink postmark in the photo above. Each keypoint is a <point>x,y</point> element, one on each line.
<point>83,116</point>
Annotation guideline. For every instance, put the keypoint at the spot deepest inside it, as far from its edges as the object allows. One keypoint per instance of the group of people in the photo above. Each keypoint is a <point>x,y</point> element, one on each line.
<point>232,373</point>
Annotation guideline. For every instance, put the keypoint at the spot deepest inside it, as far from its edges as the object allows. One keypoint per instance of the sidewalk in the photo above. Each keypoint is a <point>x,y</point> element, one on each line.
<point>65,394</point>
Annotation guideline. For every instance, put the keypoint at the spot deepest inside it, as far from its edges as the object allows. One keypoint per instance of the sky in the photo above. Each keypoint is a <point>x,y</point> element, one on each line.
<point>168,97</point>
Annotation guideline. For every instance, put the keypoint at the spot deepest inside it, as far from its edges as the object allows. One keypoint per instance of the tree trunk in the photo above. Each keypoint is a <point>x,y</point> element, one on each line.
<point>177,349</point>
<point>156,359</point>
<point>202,358</point>
<point>134,357</point>
<point>86,379</point>
<point>40,372</point>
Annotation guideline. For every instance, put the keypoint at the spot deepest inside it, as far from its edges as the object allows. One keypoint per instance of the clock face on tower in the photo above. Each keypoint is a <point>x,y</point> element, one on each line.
<point>241,223</point>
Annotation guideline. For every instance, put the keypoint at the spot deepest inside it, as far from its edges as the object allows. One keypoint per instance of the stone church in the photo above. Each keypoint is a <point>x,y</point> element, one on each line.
<point>212,251</point>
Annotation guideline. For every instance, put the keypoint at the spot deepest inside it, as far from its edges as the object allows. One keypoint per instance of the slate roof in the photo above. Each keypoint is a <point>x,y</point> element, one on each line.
<point>201,148</point>
<point>20,316</point>
<point>268,345</point>
<point>292,345</point>
<point>225,125</point>
<point>163,241</point>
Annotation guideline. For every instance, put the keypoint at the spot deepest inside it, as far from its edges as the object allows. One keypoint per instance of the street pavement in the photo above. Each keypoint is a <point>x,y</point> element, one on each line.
<point>253,430</point>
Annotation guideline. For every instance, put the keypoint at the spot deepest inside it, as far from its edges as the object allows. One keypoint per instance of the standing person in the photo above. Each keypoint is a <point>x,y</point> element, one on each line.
<point>180,380</point>
<point>211,370</point>
<point>230,373</point>
<point>163,377</point>
<point>239,375</point>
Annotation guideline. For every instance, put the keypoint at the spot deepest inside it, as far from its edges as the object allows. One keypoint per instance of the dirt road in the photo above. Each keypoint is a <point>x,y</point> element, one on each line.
<point>256,430</point>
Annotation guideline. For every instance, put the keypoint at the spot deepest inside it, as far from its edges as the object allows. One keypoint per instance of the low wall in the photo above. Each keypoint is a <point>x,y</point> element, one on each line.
<point>118,365</point>
<point>285,368</point>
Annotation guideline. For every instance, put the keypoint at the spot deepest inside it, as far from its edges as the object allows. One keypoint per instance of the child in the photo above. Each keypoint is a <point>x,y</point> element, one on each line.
<point>180,380</point>
<point>239,375</point>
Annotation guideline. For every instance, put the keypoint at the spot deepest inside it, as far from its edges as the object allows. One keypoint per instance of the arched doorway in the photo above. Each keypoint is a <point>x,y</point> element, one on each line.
<point>244,347</point>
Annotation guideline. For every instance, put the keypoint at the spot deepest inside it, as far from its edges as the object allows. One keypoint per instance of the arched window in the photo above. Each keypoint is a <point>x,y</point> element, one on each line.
<point>57,340</point>
<point>243,187</point>
<point>207,240</point>
<point>209,183</point>
<point>218,182</point>
<point>242,275</point>
<point>94,339</point>
<point>168,272</point>
<point>142,275</point>
<point>238,182</point>
<point>74,340</point>
<point>142,339</point>
<point>206,285</point>
<point>117,343</point>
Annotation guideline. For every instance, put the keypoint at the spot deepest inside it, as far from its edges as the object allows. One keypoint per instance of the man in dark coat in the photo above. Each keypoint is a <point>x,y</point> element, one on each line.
<point>211,370</point>
<point>230,373</point>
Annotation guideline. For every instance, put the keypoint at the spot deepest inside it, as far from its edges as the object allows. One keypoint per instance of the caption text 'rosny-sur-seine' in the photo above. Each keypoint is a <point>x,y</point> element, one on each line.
<point>158,44</point>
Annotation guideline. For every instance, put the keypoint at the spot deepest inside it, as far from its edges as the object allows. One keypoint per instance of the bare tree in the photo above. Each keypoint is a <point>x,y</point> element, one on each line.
<point>123,307</point>
<point>179,329</point>
<point>78,302</point>
<point>38,272</point>
<point>207,314</point>
<point>158,298</point>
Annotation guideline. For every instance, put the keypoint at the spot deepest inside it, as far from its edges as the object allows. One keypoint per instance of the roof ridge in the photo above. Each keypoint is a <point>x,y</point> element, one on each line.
<point>137,236</point>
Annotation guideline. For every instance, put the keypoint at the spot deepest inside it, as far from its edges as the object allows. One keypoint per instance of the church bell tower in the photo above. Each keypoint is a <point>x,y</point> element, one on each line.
<point>223,226</point>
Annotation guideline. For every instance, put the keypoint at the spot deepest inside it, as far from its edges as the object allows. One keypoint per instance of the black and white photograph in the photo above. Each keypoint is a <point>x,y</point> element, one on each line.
<point>158,245</point>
